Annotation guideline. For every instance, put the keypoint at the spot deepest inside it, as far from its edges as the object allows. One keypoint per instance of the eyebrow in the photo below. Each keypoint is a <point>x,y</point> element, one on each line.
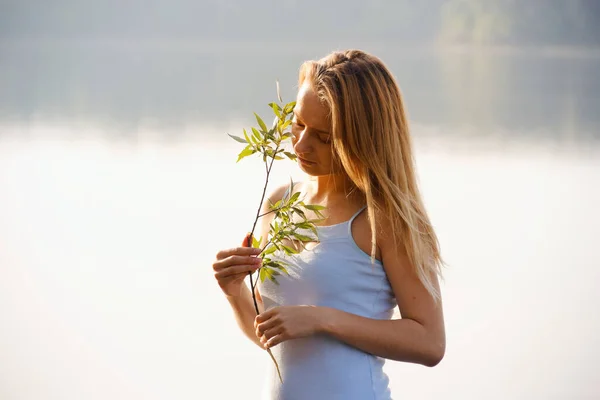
<point>318,130</point>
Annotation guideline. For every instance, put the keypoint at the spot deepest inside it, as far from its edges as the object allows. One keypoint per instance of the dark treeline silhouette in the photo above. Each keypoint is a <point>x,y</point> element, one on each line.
<point>510,22</point>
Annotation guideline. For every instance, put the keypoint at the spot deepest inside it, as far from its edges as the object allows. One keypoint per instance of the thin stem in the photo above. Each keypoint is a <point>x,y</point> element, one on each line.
<point>262,199</point>
<point>269,212</point>
<point>266,245</point>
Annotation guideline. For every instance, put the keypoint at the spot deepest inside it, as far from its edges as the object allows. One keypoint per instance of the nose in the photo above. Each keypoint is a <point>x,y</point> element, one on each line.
<point>301,142</point>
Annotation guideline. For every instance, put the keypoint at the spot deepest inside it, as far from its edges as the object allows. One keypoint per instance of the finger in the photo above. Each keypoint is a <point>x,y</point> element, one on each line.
<point>247,240</point>
<point>269,333</point>
<point>236,260</point>
<point>233,278</point>
<point>265,326</point>
<point>274,341</point>
<point>265,315</point>
<point>235,270</point>
<point>241,251</point>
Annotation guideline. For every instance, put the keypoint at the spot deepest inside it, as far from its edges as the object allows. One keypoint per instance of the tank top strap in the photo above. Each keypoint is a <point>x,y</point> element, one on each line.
<point>353,218</point>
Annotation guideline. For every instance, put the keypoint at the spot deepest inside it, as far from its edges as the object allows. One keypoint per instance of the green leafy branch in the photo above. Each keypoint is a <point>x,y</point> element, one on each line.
<point>286,227</point>
<point>290,211</point>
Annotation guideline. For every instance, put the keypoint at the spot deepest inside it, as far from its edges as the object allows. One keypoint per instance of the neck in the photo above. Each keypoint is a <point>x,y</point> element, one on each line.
<point>330,187</point>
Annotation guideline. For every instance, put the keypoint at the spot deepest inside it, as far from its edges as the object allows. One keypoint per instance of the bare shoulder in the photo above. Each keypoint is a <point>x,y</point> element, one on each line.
<point>393,252</point>
<point>414,301</point>
<point>385,235</point>
<point>277,194</point>
<point>361,232</point>
<point>274,196</point>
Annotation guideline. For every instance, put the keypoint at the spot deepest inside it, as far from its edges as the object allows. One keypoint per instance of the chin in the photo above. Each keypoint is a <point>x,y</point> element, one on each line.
<point>314,173</point>
<point>309,171</point>
<point>313,169</point>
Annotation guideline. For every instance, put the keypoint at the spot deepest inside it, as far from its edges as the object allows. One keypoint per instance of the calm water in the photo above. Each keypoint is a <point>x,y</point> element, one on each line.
<point>117,188</point>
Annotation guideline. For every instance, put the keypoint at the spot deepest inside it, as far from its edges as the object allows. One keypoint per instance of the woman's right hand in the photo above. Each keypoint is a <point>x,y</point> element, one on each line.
<point>233,265</point>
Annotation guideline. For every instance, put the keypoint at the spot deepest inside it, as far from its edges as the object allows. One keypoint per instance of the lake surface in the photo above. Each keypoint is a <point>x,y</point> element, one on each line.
<point>118,186</point>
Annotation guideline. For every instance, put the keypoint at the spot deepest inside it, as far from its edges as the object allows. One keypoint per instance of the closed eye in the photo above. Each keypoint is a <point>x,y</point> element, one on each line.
<point>324,138</point>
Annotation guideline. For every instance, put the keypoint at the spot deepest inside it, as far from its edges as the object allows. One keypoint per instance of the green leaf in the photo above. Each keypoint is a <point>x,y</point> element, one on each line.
<point>308,225</point>
<point>303,238</point>
<point>276,205</point>
<point>246,136</point>
<point>237,138</point>
<point>278,91</point>
<point>299,212</point>
<point>286,124</point>
<point>261,123</point>
<point>291,156</point>
<point>276,109</point>
<point>262,274</point>
<point>288,250</point>
<point>314,207</point>
<point>291,190</point>
<point>257,134</point>
<point>245,153</point>
<point>280,265</point>
<point>289,107</point>
<point>269,250</point>
<point>269,273</point>
<point>275,105</point>
<point>294,197</point>
<point>271,134</point>
<point>256,242</point>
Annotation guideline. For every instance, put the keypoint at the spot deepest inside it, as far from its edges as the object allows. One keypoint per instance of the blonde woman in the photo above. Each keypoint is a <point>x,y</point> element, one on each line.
<point>329,323</point>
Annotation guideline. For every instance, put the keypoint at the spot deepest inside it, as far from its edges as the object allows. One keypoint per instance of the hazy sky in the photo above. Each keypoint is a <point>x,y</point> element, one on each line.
<point>454,21</point>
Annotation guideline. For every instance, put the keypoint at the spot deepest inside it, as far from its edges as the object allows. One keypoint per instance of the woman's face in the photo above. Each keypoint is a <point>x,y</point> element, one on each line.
<point>311,132</point>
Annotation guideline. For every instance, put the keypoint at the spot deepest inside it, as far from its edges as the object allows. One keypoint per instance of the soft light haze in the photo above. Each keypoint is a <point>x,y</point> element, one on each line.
<point>107,289</point>
<point>118,185</point>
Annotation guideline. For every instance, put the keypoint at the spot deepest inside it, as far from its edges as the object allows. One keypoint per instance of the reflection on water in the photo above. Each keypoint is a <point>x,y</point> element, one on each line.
<point>117,189</point>
<point>106,288</point>
<point>123,85</point>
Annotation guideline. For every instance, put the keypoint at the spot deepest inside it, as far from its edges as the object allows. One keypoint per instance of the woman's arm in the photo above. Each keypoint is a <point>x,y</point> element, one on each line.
<point>400,340</point>
<point>418,337</point>
<point>244,312</point>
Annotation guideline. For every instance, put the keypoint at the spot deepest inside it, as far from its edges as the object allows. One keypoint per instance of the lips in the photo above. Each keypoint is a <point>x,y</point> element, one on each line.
<point>305,161</point>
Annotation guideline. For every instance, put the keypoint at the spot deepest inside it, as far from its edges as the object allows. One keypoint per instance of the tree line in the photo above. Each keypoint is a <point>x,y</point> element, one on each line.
<point>511,22</point>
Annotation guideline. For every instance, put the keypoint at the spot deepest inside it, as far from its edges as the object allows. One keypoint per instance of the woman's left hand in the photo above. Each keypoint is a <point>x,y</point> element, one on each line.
<point>279,324</point>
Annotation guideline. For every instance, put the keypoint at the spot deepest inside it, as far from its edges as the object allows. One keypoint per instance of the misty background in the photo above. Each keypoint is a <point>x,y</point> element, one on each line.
<point>118,185</point>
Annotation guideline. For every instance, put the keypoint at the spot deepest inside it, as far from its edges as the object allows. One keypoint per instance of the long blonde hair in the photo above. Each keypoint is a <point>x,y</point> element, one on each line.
<point>371,140</point>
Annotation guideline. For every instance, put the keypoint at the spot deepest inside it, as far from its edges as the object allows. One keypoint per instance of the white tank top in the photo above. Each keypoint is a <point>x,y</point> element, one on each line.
<point>335,273</point>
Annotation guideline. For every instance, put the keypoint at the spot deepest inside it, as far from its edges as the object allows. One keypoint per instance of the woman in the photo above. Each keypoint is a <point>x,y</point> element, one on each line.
<point>328,322</point>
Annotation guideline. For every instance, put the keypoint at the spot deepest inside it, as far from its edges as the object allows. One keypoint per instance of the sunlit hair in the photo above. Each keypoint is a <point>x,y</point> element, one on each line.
<point>371,140</point>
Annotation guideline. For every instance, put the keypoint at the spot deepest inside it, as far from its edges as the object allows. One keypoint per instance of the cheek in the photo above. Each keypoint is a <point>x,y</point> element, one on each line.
<point>336,164</point>
<point>328,160</point>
